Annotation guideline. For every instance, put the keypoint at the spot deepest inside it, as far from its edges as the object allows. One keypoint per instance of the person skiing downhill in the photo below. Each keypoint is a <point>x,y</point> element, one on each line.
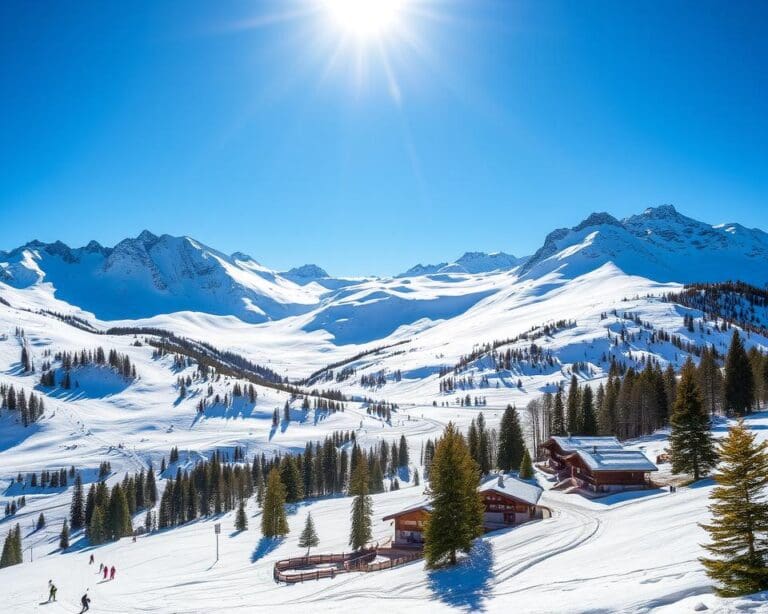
<point>92,560</point>
<point>106,571</point>
<point>112,573</point>
<point>86,601</point>
<point>51,591</point>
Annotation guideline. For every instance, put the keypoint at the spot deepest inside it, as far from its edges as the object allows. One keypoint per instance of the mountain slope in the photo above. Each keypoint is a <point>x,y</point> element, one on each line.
<point>659,244</point>
<point>149,275</point>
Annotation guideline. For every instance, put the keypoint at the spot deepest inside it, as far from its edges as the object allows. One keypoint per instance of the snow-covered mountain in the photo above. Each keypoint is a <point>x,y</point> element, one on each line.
<point>593,294</point>
<point>659,244</point>
<point>150,275</point>
<point>470,262</point>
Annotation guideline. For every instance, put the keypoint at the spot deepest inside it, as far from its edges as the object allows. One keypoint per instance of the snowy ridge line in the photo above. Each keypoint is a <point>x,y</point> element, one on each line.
<point>334,365</point>
<point>222,362</point>
<point>730,301</point>
<point>235,360</point>
<point>72,320</point>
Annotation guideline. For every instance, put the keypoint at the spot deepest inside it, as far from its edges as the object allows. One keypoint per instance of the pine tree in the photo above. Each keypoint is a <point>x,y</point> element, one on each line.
<point>526,467</point>
<point>241,519</point>
<point>402,449</point>
<point>64,536</point>
<point>362,508</point>
<point>77,508</point>
<point>691,447</point>
<point>739,383</point>
<point>573,407</point>
<point>710,379</point>
<point>273,522</point>
<point>739,528</point>
<point>289,474</point>
<point>457,509</point>
<point>11,548</point>
<point>308,538</point>
<point>97,533</point>
<point>511,444</point>
<point>558,415</point>
<point>119,519</point>
<point>588,424</point>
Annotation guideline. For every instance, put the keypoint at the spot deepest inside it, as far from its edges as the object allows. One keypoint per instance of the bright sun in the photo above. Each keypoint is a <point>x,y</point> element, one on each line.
<point>365,18</point>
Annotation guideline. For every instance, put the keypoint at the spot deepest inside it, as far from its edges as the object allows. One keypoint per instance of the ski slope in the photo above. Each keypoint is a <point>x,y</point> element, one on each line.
<point>605,278</point>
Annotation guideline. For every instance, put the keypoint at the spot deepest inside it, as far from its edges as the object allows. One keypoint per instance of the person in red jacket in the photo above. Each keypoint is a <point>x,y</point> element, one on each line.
<point>112,573</point>
<point>106,572</point>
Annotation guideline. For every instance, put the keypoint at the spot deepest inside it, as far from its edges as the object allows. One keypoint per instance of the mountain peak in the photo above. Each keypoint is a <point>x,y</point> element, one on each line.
<point>147,237</point>
<point>306,271</point>
<point>598,219</point>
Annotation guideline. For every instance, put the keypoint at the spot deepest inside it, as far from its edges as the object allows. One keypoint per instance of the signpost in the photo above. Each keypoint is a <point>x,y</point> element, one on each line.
<point>217,530</point>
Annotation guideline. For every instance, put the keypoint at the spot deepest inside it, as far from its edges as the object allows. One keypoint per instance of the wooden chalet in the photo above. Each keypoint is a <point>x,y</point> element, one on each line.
<point>409,525</point>
<point>599,464</point>
<point>507,500</point>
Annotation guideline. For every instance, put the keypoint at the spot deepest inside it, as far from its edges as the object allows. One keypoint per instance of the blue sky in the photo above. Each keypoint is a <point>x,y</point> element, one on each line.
<point>475,125</point>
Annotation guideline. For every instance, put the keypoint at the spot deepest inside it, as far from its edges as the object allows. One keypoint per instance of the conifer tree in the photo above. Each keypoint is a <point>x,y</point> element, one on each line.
<point>273,522</point>
<point>241,519</point>
<point>558,415</point>
<point>64,536</point>
<point>402,449</point>
<point>572,415</point>
<point>739,383</point>
<point>97,533</point>
<point>710,379</point>
<point>77,509</point>
<point>457,509</point>
<point>526,467</point>
<point>119,517</point>
<point>588,424</point>
<point>289,474</point>
<point>739,527</point>
<point>691,447</point>
<point>362,508</point>
<point>511,444</point>
<point>308,538</point>
<point>11,548</point>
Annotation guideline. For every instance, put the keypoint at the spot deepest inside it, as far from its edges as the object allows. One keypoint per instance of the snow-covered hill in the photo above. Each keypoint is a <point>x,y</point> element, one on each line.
<point>592,293</point>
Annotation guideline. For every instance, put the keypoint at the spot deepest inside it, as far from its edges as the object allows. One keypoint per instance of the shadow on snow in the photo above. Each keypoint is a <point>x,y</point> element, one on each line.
<point>466,585</point>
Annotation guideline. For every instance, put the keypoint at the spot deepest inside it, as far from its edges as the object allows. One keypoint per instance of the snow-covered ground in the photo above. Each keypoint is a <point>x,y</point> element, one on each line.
<point>632,552</point>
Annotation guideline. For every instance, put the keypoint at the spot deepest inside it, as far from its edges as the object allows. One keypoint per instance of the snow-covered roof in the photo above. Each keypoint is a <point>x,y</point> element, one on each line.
<point>425,506</point>
<point>616,460</point>
<point>573,443</point>
<point>524,491</point>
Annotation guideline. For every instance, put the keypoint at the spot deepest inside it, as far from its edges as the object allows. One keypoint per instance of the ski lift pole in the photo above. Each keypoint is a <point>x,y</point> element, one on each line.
<point>217,530</point>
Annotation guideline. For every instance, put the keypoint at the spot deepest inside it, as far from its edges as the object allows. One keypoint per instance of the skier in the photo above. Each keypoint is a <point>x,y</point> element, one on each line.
<point>92,561</point>
<point>85,600</point>
<point>106,571</point>
<point>112,573</point>
<point>101,567</point>
<point>51,591</point>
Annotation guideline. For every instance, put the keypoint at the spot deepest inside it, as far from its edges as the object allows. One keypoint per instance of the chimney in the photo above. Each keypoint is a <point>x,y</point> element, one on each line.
<point>501,481</point>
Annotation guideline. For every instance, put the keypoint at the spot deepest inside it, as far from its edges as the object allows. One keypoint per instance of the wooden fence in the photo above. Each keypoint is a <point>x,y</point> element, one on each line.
<point>347,562</point>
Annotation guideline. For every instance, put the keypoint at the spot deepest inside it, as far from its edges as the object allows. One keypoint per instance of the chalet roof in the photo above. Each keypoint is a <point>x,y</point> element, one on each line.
<point>425,506</point>
<point>573,443</point>
<point>616,460</point>
<point>523,491</point>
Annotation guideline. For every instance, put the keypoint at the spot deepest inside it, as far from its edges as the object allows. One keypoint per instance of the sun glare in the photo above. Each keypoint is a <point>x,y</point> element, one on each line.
<point>365,18</point>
